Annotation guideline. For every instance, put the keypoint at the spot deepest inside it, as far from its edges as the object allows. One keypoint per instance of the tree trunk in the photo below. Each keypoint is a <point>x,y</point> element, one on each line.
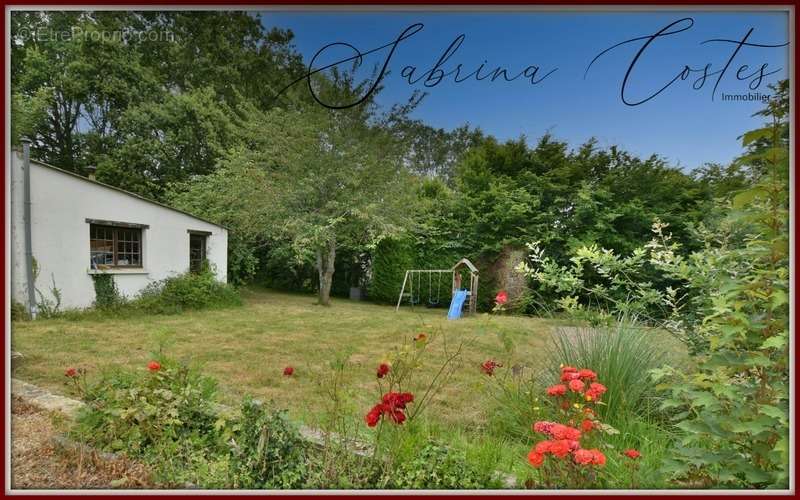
<point>325,260</point>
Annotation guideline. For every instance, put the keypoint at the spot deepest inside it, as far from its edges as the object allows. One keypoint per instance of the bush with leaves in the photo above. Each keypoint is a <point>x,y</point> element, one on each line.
<point>268,451</point>
<point>187,291</point>
<point>439,467</point>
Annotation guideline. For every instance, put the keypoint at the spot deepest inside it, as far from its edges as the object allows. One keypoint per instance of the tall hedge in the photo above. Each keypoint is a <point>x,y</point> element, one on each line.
<point>390,261</point>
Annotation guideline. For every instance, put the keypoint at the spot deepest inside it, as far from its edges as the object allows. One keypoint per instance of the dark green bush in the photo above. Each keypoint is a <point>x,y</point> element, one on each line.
<point>269,452</point>
<point>106,293</point>
<point>186,292</point>
<point>390,261</point>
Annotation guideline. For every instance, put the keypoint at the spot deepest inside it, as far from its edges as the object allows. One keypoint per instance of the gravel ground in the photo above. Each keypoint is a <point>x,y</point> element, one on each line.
<point>38,463</point>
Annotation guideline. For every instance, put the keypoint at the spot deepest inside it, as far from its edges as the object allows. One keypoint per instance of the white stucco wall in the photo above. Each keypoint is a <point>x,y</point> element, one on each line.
<point>60,205</point>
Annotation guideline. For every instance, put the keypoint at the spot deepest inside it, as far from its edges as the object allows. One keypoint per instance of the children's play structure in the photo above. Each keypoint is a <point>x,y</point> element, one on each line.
<point>414,286</point>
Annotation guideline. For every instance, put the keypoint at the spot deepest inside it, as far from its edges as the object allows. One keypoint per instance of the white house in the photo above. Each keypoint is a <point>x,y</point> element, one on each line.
<point>80,227</point>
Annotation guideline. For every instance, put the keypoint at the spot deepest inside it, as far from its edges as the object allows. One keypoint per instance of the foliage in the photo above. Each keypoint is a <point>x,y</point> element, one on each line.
<point>268,450</point>
<point>622,355</point>
<point>19,312</point>
<point>186,291</point>
<point>437,466</point>
<point>390,261</point>
<point>106,293</point>
<point>163,417</point>
<point>734,407</point>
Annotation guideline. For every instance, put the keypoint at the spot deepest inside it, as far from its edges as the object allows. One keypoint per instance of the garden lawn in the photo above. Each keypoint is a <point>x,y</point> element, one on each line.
<point>246,349</point>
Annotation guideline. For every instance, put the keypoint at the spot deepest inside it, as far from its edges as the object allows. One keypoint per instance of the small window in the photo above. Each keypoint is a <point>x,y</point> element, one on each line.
<point>115,246</point>
<point>197,252</point>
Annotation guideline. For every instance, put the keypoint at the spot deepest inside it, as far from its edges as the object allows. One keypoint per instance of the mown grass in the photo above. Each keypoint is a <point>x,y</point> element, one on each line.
<point>246,349</point>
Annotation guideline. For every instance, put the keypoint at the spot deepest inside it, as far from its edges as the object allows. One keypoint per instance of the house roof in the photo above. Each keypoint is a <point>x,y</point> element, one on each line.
<point>108,186</point>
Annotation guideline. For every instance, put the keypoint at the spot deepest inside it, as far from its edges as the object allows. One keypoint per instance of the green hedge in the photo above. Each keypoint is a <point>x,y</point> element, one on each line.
<point>390,260</point>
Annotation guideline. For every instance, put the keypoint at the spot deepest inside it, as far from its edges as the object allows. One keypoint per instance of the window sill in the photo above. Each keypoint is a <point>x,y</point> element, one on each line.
<point>117,271</point>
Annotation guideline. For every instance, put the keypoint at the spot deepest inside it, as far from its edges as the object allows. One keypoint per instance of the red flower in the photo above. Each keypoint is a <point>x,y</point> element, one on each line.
<point>560,448</point>
<point>422,337</point>
<point>568,376</point>
<point>543,427</point>
<point>562,432</point>
<point>568,369</point>
<point>542,447</point>
<point>587,374</point>
<point>597,457</point>
<point>71,372</point>
<point>374,415</point>
<point>576,385</point>
<point>583,457</point>
<point>557,390</point>
<point>383,369</point>
<point>489,366</point>
<point>633,454</point>
<point>501,298</point>
<point>154,366</point>
<point>535,459</point>
<point>587,425</point>
<point>595,391</point>
<point>288,371</point>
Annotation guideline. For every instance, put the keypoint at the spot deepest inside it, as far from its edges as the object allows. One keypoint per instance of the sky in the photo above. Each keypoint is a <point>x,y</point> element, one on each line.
<point>682,124</point>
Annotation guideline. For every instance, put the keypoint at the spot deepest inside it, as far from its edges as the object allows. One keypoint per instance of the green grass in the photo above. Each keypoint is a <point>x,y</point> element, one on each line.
<point>246,349</point>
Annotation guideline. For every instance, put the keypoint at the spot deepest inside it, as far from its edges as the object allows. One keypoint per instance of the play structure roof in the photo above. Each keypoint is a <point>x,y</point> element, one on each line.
<point>467,263</point>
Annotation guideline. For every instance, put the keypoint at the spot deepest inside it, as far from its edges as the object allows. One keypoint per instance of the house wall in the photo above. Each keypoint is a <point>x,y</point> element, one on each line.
<point>60,205</point>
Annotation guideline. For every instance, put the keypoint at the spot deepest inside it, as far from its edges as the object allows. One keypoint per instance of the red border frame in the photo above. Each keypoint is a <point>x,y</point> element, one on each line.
<point>646,5</point>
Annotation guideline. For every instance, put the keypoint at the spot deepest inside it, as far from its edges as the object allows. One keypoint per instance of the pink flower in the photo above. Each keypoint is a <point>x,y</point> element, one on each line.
<point>632,454</point>
<point>595,391</point>
<point>586,374</point>
<point>543,427</point>
<point>501,298</point>
<point>583,457</point>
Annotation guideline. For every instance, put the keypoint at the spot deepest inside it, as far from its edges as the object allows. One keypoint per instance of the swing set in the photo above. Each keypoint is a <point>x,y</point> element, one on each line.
<point>413,285</point>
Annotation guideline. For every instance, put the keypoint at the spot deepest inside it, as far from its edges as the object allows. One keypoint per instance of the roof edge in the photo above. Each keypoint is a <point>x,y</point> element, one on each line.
<point>120,190</point>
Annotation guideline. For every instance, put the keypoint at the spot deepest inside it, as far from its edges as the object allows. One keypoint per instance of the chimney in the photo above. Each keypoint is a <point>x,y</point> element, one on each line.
<point>91,169</point>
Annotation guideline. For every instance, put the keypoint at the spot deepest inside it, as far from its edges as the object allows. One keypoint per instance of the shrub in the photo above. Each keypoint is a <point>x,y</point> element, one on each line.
<point>269,451</point>
<point>106,293</point>
<point>143,413</point>
<point>390,261</point>
<point>187,291</point>
<point>437,466</point>
<point>19,312</point>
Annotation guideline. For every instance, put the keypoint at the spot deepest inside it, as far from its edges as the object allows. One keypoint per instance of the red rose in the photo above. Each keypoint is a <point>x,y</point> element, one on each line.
<point>587,374</point>
<point>595,391</point>
<point>587,425</point>
<point>568,369</point>
<point>542,447</point>
<point>632,453</point>
<point>288,371</point>
<point>535,459</point>
<point>597,457</point>
<point>383,369</point>
<point>567,376</point>
<point>71,373</point>
<point>557,390</point>
<point>564,432</point>
<point>489,366</point>
<point>374,415</point>
<point>583,457</point>
<point>560,448</point>
<point>154,366</point>
<point>501,298</point>
<point>576,385</point>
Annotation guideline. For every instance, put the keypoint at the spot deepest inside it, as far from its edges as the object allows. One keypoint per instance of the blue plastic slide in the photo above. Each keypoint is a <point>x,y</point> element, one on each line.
<point>457,304</point>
